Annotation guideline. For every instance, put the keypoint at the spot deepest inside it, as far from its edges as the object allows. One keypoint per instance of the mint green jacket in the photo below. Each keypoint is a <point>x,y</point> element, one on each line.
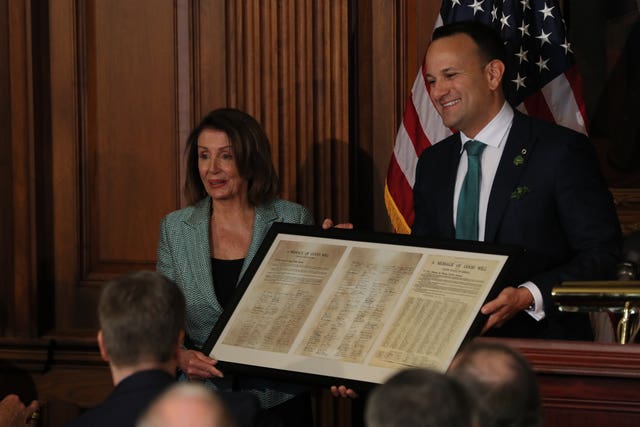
<point>184,256</point>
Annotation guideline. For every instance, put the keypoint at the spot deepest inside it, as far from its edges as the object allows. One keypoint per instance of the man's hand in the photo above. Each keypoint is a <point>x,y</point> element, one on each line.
<point>342,391</point>
<point>328,223</point>
<point>13,412</point>
<point>197,366</point>
<point>508,303</point>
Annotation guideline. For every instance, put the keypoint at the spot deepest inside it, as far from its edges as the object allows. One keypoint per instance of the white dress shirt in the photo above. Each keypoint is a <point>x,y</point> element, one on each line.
<point>494,136</point>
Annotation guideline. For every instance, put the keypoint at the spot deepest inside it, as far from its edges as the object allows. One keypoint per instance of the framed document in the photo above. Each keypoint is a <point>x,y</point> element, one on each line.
<point>348,307</point>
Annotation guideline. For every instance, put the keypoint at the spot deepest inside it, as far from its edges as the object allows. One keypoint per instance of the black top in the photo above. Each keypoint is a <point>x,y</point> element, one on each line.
<point>225,274</point>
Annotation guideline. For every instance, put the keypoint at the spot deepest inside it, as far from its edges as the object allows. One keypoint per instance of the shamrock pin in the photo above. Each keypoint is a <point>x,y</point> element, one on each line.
<point>519,192</point>
<point>519,159</point>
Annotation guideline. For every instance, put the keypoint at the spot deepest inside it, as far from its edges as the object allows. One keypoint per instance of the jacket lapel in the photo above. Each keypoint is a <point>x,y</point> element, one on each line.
<point>197,231</point>
<point>519,141</point>
<point>446,202</point>
<point>265,215</point>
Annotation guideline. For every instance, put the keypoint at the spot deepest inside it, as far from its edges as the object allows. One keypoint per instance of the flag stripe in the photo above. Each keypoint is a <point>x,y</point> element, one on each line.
<point>562,104</point>
<point>405,157</point>
<point>412,130</point>
<point>575,81</point>
<point>537,106</point>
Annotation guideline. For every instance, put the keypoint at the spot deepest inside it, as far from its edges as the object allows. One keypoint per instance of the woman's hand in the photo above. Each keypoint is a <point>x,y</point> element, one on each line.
<point>328,223</point>
<point>197,366</point>
<point>342,391</point>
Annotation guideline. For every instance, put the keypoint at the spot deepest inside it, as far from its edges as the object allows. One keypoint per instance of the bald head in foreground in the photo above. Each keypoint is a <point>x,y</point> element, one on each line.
<point>502,384</point>
<point>186,405</point>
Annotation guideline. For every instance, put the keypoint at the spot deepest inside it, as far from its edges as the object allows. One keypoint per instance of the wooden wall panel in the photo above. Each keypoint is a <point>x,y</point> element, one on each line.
<point>65,158</point>
<point>128,82</point>
<point>6,180</point>
<point>18,308</point>
<point>130,130</point>
<point>391,40</point>
<point>115,128</point>
<point>286,63</point>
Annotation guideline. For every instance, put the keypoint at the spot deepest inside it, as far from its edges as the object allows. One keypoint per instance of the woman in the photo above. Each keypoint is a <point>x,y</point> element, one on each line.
<point>231,188</point>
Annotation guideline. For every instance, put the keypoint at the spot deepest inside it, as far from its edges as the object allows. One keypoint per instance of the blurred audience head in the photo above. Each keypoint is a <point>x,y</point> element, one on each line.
<point>186,405</point>
<point>419,398</point>
<point>502,384</point>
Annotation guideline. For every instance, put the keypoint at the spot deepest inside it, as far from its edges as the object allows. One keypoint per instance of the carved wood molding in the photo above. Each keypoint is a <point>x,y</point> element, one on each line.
<point>580,358</point>
<point>627,201</point>
<point>66,374</point>
<point>43,354</point>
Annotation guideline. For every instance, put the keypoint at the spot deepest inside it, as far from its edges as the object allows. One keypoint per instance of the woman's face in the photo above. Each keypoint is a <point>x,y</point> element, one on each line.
<point>217,167</point>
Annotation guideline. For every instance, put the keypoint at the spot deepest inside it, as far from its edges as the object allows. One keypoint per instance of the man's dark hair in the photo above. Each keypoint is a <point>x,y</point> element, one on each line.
<point>502,384</point>
<point>488,40</point>
<point>141,316</point>
<point>419,398</point>
<point>251,151</point>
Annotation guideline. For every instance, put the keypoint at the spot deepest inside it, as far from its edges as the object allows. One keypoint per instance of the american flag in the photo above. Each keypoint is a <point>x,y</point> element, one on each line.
<point>541,80</point>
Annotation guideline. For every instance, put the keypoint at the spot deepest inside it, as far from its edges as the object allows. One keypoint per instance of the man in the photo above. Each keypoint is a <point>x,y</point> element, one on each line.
<point>142,326</point>
<point>186,404</point>
<point>501,383</point>
<point>539,188</point>
<point>418,398</point>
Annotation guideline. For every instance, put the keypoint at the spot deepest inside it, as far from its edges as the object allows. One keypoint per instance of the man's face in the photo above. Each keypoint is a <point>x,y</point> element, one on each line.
<point>462,87</point>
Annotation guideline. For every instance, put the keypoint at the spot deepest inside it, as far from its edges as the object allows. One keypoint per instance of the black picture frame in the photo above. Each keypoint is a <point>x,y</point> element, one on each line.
<point>262,369</point>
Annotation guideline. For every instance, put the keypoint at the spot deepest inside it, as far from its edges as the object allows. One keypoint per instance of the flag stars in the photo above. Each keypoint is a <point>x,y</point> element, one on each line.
<point>544,37</point>
<point>505,21</point>
<point>494,14</point>
<point>476,6</point>
<point>546,12</point>
<point>525,5</point>
<point>522,55</point>
<point>519,81</point>
<point>455,3</point>
<point>567,46</point>
<point>524,29</point>
<point>542,64</point>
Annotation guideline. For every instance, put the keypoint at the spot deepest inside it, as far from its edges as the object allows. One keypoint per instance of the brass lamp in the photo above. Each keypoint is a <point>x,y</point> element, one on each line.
<point>618,297</point>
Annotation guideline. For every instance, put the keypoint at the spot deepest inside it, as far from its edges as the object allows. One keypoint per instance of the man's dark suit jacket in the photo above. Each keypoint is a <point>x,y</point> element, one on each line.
<point>131,397</point>
<point>127,401</point>
<point>555,204</point>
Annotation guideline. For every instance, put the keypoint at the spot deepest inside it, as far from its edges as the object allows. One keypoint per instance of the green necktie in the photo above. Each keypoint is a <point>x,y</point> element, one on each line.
<point>467,215</point>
